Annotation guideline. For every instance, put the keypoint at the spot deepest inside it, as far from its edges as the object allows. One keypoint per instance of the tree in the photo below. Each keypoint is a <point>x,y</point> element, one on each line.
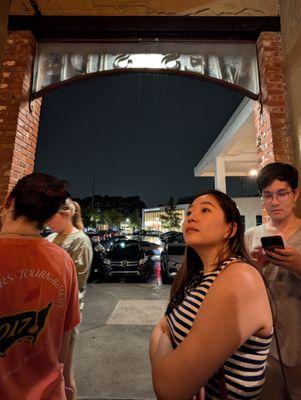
<point>171,220</point>
<point>135,219</point>
<point>90,217</point>
<point>99,210</point>
<point>112,217</point>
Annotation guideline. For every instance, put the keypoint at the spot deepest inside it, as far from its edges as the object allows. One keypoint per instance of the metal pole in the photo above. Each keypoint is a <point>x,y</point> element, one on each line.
<point>93,192</point>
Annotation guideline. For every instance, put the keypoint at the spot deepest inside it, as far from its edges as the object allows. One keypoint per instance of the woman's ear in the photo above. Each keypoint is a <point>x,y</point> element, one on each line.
<point>231,231</point>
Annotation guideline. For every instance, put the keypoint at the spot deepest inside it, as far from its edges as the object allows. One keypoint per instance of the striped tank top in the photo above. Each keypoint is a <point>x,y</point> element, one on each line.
<point>244,370</point>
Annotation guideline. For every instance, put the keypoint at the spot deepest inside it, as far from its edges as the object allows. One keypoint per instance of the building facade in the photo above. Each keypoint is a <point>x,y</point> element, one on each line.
<point>276,111</point>
<point>250,209</point>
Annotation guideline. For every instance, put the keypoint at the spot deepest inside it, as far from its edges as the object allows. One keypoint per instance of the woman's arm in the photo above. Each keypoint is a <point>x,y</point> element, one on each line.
<point>82,258</point>
<point>64,357</point>
<point>235,307</point>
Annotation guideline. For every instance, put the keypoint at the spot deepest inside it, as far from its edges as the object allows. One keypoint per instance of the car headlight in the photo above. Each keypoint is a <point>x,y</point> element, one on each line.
<point>107,261</point>
<point>142,261</point>
<point>174,264</point>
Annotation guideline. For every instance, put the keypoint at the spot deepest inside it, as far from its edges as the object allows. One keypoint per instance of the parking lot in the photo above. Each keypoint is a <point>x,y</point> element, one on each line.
<point>111,358</point>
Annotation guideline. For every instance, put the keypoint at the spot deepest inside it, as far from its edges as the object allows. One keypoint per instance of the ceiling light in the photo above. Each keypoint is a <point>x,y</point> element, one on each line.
<point>253,172</point>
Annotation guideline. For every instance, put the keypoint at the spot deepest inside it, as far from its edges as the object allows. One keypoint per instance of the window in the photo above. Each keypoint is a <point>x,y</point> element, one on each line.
<point>243,220</point>
<point>258,219</point>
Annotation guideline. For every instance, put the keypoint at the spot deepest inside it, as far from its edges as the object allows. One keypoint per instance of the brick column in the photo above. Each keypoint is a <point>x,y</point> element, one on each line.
<point>274,140</point>
<point>4,11</point>
<point>19,118</point>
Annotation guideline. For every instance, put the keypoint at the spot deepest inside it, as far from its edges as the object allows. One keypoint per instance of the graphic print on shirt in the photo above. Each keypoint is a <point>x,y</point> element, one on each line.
<point>24,326</point>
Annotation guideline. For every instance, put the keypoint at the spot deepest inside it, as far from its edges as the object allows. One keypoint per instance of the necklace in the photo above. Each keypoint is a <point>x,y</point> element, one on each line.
<point>20,234</point>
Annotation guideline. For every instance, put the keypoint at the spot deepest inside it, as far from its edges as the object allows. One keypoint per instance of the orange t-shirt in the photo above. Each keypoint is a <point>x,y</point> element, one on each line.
<point>38,303</point>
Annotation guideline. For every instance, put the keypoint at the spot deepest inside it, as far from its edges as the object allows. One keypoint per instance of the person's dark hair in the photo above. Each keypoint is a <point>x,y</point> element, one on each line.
<point>234,246</point>
<point>282,172</point>
<point>37,197</point>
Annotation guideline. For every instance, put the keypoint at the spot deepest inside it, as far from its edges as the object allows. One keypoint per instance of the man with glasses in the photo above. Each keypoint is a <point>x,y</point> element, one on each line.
<point>278,187</point>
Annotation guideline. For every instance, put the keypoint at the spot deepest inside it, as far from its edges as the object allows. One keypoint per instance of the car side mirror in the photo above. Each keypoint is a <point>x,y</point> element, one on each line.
<point>99,248</point>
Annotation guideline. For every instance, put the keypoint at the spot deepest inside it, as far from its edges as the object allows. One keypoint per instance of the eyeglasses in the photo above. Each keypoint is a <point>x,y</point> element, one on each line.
<point>281,195</point>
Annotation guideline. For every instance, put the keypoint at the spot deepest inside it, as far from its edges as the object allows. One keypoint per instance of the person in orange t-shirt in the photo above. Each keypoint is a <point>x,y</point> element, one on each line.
<point>39,305</point>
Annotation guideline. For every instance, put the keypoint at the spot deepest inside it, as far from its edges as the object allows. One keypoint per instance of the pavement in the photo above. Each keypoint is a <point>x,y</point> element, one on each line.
<point>111,357</point>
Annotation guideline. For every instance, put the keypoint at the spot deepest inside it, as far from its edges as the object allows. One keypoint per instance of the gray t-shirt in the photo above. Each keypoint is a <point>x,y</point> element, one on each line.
<point>78,245</point>
<point>286,290</point>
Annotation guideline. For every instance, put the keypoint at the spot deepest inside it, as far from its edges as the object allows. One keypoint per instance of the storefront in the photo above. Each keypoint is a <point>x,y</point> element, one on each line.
<point>151,217</point>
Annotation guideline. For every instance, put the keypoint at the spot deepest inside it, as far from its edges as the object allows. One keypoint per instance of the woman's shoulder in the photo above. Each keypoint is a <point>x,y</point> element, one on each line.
<point>241,276</point>
<point>55,250</point>
<point>82,238</point>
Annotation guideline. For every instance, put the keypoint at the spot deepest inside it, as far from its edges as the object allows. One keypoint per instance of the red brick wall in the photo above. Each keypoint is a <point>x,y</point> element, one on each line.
<point>273,136</point>
<point>19,118</point>
<point>274,140</point>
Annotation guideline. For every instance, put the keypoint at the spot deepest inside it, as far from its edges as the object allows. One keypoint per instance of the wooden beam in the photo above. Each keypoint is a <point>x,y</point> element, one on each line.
<point>91,28</point>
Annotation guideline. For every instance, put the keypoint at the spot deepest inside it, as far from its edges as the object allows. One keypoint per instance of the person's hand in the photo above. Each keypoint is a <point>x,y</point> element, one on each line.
<point>288,258</point>
<point>160,342</point>
<point>259,255</point>
<point>69,393</point>
<point>163,325</point>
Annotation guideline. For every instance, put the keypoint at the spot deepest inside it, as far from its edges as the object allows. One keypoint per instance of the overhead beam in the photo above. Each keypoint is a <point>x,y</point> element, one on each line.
<point>50,28</point>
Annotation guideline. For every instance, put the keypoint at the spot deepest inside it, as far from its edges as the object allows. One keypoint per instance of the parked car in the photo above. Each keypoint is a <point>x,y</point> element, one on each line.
<point>108,242</point>
<point>152,232</point>
<point>125,257</point>
<point>97,261</point>
<point>95,237</point>
<point>151,249</point>
<point>139,232</point>
<point>100,247</point>
<point>169,236</point>
<point>172,258</point>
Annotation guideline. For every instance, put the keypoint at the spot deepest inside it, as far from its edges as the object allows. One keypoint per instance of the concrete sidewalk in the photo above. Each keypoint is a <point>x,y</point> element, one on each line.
<point>111,358</point>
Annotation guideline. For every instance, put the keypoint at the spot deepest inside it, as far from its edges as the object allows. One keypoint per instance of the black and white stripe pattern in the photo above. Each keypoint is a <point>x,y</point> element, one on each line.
<point>244,370</point>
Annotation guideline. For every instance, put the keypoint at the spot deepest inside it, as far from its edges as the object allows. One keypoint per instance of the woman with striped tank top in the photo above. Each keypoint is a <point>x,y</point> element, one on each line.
<point>213,341</point>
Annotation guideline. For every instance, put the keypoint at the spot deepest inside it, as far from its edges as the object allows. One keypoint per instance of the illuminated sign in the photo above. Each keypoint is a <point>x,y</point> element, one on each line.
<point>235,63</point>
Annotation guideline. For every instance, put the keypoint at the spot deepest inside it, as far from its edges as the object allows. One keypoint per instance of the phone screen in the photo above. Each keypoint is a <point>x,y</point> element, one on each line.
<point>272,242</point>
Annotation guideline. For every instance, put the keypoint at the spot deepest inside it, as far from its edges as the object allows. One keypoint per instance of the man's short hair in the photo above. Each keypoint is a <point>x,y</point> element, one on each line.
<point>283,172</point>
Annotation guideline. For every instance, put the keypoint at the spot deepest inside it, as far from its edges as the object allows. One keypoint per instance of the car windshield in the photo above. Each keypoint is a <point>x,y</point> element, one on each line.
<point>126,248</point>
<point>176,249</point>
<point>179,238</point>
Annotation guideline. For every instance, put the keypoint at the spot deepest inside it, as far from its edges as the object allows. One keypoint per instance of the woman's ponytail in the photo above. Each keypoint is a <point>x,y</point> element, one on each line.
<point>77,217</point>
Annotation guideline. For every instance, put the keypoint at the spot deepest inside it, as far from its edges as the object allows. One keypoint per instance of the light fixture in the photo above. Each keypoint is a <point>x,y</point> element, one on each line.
<point>253,172</point>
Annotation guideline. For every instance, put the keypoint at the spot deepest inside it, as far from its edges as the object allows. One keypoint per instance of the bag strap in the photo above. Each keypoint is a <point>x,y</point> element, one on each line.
<point>285,390</point>
<point>221,372</point>
<point>222,384</point>
<point>285,385</point>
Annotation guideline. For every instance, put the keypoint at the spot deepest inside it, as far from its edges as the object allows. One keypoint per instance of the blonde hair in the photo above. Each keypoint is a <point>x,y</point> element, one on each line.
<point>75,210</point>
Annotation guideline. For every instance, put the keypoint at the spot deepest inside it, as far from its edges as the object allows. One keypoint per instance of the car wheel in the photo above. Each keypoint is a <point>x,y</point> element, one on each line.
<point>94,276</point>
<point>143,278</point>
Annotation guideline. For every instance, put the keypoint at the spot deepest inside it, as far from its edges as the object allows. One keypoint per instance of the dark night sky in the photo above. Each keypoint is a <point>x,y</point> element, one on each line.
<point>139,134</point>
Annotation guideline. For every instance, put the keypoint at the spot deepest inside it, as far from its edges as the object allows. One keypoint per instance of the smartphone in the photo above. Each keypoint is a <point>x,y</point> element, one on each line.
<point>272,242</point>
